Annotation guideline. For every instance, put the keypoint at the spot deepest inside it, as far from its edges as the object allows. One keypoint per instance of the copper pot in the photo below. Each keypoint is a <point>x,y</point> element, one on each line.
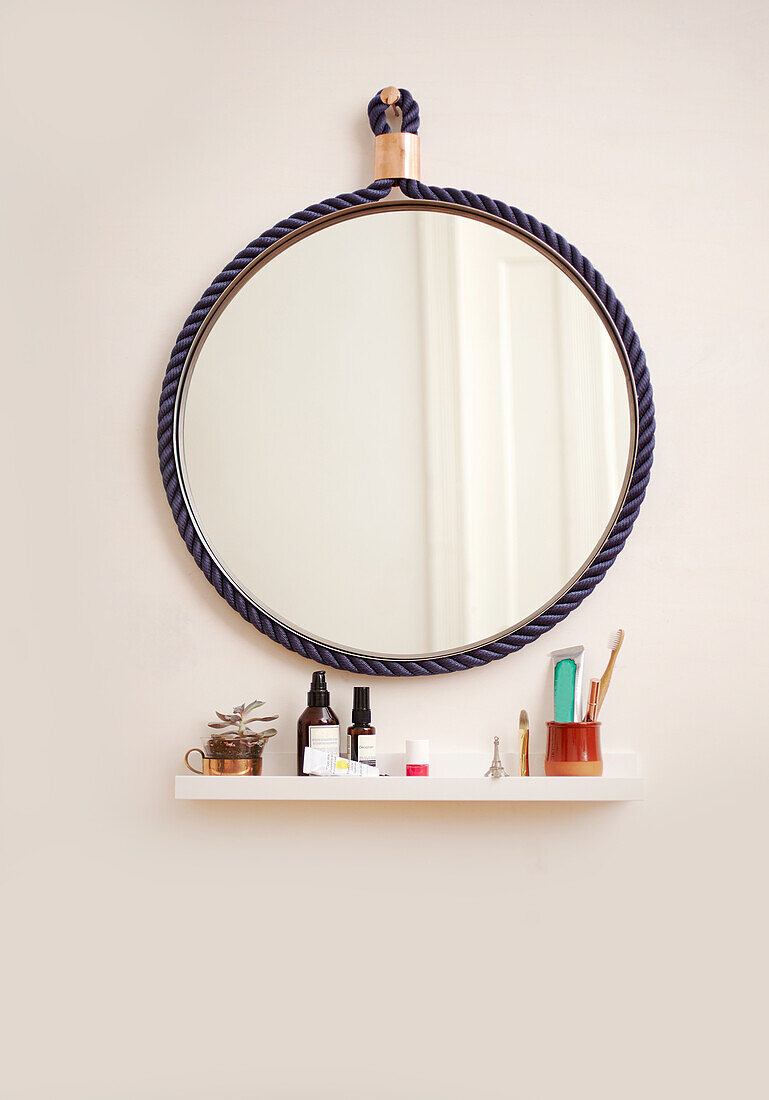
<point>212,765</point>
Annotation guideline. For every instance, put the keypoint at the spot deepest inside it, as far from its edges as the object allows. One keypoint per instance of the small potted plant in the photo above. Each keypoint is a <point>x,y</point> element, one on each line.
<point>237,741</point>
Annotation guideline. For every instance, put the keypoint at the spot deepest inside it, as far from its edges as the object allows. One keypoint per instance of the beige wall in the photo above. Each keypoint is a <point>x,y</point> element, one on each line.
<point>160,949</point>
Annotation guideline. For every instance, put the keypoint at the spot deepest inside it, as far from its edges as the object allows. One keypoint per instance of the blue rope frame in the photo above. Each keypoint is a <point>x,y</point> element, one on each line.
<point>493,651</point>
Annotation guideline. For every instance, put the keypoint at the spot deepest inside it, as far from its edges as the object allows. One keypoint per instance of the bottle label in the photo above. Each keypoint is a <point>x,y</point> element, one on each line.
<point>325,738</point>
<point>367,748</point>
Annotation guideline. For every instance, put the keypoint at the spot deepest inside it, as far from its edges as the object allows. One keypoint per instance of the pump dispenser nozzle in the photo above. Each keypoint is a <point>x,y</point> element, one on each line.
<point>361,707</point>
<point>318,695</point>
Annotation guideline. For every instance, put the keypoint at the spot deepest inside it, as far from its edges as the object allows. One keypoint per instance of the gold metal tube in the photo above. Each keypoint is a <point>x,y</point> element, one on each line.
<point>396,156</point>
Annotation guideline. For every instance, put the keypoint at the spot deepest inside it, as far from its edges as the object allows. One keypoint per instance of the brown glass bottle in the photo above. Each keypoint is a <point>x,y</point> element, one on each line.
<point>361,735</point>
<point>318,726</point>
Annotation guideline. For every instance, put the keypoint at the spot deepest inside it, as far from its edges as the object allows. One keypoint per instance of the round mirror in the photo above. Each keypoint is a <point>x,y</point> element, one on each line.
<point>405,430</point>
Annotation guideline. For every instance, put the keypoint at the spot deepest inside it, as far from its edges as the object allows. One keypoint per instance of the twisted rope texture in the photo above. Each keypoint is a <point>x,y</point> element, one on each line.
<point>481,655</point>
<point>408,107</point>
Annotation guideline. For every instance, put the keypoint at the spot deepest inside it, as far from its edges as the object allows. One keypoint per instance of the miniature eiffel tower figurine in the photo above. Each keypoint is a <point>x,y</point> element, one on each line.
<point>496,771</point>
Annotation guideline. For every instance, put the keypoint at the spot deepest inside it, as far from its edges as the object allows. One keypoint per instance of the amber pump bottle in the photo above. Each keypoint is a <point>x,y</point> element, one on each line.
<point>318,726</point>
<point>361,735</point>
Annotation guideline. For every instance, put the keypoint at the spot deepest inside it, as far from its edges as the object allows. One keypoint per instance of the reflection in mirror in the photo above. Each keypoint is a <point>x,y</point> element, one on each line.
<point>406,433</point>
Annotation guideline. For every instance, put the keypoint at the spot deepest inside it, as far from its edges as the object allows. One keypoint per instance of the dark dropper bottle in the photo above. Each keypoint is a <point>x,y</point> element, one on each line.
<point>361,735</point>
<point>318,726</point>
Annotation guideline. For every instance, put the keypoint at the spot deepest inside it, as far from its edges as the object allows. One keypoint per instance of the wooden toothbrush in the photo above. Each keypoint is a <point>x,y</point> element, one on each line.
<point>615,643</point>
<point>523,743</point>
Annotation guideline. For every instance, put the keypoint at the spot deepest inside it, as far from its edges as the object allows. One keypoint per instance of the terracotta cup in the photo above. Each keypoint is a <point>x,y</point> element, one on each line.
<point>573,748</point>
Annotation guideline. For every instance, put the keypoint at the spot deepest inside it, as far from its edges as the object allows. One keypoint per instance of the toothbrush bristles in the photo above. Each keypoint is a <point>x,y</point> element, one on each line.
<point>614,639</point>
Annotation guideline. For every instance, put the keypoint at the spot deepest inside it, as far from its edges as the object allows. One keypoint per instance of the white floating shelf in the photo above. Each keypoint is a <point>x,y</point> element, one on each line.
<point>455,778</point>
<point>285,788</point>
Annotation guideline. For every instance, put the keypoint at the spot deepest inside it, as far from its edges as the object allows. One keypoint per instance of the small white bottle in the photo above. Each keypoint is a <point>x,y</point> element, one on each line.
<point>418,758</point>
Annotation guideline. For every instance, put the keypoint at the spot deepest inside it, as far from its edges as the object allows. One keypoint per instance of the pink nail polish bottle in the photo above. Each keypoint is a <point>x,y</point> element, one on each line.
<point>417,758</point>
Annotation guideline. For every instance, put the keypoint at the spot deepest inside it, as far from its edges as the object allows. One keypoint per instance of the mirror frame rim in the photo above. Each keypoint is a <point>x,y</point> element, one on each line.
<point>313,219</point>
<point>295,237</point>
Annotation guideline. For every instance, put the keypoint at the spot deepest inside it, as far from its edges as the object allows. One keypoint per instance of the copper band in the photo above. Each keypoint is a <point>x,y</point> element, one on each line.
<point>396,157</point>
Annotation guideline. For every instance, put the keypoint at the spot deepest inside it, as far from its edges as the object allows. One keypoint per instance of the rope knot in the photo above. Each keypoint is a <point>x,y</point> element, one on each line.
<point>402,100</point>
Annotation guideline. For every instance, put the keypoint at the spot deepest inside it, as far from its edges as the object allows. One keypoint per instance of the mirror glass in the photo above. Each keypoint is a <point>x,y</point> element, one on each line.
<point>406,432</point>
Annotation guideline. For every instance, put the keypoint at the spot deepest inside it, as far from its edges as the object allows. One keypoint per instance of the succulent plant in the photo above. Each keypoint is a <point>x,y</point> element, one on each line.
<point>237,724</point>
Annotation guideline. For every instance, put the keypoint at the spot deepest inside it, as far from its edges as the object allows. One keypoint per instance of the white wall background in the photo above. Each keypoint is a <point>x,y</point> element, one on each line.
<point>155,949</point>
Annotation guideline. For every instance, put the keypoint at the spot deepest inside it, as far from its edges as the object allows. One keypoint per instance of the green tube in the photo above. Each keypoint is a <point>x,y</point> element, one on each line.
<point>567,684</point>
